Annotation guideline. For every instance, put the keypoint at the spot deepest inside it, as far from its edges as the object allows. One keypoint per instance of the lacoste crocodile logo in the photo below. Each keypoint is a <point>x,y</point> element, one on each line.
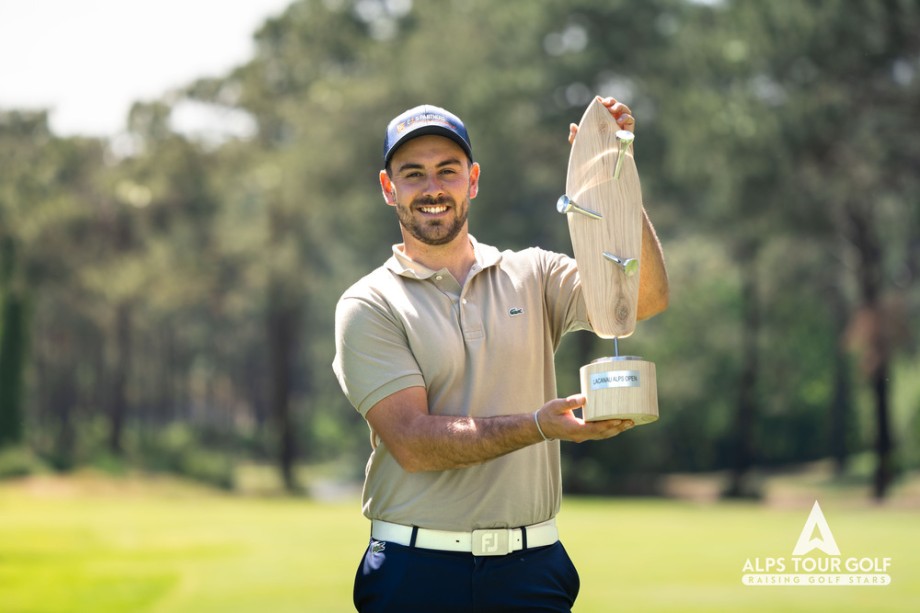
<point>515,311</point>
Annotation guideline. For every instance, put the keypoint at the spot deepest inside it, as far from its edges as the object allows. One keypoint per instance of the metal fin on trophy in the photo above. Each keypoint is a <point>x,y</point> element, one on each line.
<point>630,266</point>
<point>624,140</point>
<point>566,205</point>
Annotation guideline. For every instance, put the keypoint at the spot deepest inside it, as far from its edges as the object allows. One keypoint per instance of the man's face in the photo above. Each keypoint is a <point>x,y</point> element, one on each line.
<point>431,185</point>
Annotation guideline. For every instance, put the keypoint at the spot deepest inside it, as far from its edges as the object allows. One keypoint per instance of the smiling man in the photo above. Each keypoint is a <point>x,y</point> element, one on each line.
<point>426,159</point>
<point>447,351</point>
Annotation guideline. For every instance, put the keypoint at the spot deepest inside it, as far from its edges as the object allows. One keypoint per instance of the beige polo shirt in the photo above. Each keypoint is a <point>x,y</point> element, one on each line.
<point>479,350</point>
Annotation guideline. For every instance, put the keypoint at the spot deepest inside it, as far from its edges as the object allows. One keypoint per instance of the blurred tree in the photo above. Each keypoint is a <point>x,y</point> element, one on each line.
<point>791,150</point>
<point>40,179</point>
<point>730,119</point>
<point>846,75</point>
<point>18,151</point>
<point>13,326</point>
<point>177,278</point>
<point>297,184</point>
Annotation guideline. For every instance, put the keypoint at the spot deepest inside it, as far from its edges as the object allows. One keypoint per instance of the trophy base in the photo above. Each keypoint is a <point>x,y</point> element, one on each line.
<point>622,387</point>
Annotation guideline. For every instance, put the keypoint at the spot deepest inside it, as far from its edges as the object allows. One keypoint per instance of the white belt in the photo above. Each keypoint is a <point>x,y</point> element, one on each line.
<point>485,542</point>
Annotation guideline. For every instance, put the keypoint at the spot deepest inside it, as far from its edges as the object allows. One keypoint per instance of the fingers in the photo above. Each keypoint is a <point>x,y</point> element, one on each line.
<point>561,406</point>
<point>612,427</point>
<point>621,113</point>
<point>558,421</point>
<point>599,430</point>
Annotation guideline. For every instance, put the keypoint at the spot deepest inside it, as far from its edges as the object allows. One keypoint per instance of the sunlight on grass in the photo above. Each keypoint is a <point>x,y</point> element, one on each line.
<point>174,551</point>
<point>168,547</point>
<point>675,556</point>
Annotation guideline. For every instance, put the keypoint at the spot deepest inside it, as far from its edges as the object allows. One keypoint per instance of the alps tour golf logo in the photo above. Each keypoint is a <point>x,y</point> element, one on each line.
<point>808,568</point>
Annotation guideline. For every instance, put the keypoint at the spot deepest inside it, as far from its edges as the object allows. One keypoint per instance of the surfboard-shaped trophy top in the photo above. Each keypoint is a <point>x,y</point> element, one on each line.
<point>603,204</point>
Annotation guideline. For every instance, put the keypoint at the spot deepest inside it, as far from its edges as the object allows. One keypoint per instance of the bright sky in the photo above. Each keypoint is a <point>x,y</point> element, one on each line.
<point>88,60</point>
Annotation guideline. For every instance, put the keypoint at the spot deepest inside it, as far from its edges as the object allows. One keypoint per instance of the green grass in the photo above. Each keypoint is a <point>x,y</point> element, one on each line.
<point>92,544</point>
<point>673,556</point>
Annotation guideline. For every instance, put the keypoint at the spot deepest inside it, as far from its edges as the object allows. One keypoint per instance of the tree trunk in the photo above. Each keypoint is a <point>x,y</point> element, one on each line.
<point>121,367</point>
<point>13,348</point>
<point>282,326</point>
<point>745,418</point>
<point>62,405</point>
<point>840,409</point>
<point>12,368</point>
<point>877,347</point>
<point>883,444</point>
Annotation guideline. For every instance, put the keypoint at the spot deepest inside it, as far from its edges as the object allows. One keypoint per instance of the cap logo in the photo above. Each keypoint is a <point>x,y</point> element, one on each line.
<point>426,118</point>
<point>423,120</point>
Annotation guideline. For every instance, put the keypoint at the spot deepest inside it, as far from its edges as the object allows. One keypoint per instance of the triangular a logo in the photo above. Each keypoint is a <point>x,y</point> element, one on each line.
<point>824,540</point>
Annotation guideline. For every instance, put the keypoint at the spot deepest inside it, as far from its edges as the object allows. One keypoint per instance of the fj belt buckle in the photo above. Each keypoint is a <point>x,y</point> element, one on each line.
<point>492,542</point>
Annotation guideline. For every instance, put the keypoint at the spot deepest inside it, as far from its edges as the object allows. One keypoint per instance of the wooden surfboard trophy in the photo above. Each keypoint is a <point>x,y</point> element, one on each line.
<point>603,204</point>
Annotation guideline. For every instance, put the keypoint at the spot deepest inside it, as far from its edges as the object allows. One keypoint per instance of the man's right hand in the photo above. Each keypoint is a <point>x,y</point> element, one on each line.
<point>557,420</point>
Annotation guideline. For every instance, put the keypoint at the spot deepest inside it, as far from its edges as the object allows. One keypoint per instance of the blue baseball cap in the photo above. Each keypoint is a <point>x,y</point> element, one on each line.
<point>422,120</point>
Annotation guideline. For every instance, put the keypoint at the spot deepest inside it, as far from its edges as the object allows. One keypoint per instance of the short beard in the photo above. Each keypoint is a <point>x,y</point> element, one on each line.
<point>426,232</point>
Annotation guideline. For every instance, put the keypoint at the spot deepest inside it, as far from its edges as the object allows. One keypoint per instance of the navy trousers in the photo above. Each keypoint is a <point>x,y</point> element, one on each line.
<point>396,578</point>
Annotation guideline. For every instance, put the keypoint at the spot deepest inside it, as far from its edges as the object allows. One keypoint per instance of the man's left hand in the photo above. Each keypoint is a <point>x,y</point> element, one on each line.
<point>620,112</point>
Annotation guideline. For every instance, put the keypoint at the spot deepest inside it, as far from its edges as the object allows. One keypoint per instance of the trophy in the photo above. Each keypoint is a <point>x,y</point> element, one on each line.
<point>603,205</point>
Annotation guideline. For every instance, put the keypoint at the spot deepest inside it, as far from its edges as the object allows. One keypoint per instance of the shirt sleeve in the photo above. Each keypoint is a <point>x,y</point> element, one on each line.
<point>565,302</point>
<point>372,359</point>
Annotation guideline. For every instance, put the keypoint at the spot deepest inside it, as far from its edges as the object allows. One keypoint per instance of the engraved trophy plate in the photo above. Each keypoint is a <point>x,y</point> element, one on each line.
<point>620,388</point>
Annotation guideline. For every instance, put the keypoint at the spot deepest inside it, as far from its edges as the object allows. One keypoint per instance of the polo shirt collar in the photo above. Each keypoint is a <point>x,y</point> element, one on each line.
<point>402,265</point>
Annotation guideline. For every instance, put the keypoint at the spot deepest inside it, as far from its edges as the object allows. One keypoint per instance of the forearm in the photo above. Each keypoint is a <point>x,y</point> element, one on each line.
<point>420,441</point>
<point>653,276</point>
<point>434,442</point>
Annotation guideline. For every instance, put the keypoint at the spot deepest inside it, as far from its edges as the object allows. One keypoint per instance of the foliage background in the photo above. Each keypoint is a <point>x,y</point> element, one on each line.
<point>166,297</point>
